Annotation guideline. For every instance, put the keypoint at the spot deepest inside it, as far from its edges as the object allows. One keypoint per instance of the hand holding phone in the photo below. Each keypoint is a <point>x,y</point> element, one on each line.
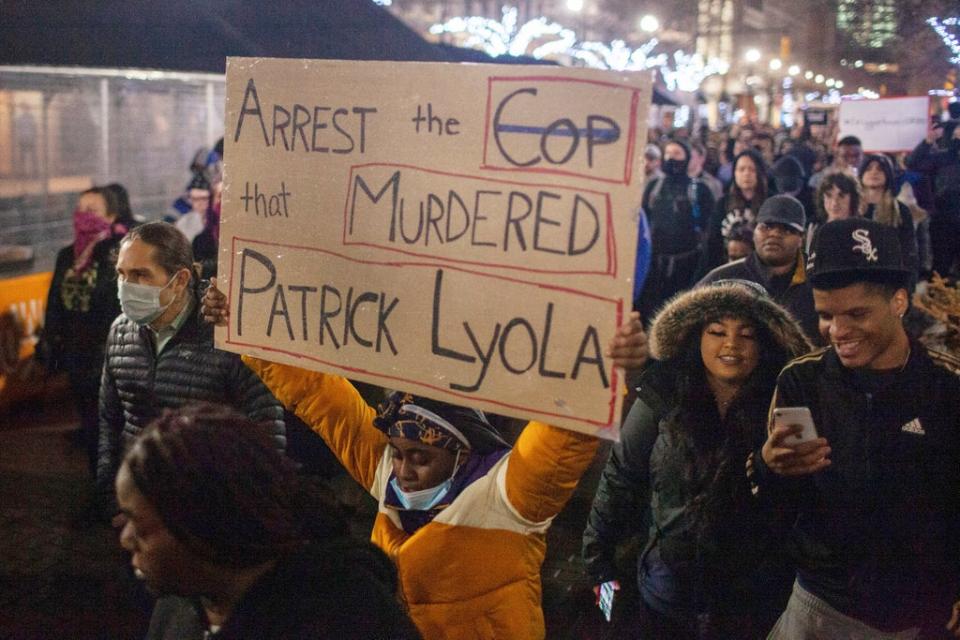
<point>788,416</point>
<point>793,451</point>
<point>605,594</point>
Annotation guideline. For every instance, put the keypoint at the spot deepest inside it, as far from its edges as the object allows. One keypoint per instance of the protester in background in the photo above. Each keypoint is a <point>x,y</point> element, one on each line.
<point>847,157</point>
<point>740,241</point>
<point>921,225</point>
<point>207,242</point>
<point>942,166</point>
<point>740,205</point>
<point>875,498</point>
<point>838,197</point>
<point>697,170</point>
<point>678,210</point>
<point>236,545</point>
<point>193,222</point>
<point>82,303</point>
<point>160,354</point>
<point>710,566</point>
<point>652,157</point>
<point>463,515</point>
<point>124,211</point>
<point>777,263</point>
<point>740,141</point>
<point>790,180</point>
<point>880,203</point>
<point>764,143</point>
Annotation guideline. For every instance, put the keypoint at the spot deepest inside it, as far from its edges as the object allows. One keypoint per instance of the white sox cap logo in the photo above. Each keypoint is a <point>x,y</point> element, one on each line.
<point>864,245</point>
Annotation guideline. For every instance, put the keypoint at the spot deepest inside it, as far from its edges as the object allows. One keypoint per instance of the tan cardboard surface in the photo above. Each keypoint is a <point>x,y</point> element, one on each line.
<point>466,232</point>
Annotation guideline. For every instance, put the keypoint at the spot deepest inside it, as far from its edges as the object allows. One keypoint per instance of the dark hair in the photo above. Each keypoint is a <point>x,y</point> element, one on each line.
<point>124,213</point>
<point>171,248</point>
<point>846,183</point>
<point>109,199</point>
<point>224,491</point>
<point>736,199</point>
<point>713,457</point>
<point>849,141</point>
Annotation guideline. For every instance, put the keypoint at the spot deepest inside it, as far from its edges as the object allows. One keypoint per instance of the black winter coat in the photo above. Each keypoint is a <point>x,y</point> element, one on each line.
<point>80,310</point>
<point>137,385</point>
<point>644,490</point>
<point>878,531</point>
<point>341,590</point>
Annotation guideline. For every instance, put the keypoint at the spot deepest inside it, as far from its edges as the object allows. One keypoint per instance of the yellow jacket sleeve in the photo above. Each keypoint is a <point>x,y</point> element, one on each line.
<point>331,407</point>
<point>544,469</point>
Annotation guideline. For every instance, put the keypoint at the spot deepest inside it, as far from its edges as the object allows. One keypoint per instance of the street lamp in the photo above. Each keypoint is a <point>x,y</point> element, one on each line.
<point>776,64</point>
<point>648,23</point>
<point>839,84</point>
<point>831,82</point>
<point>752,55</point>
<point>819,79</point>
<point>793,70</point>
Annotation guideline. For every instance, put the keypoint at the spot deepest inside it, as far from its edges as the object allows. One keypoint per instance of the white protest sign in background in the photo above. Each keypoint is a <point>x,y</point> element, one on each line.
<point>465,232</point>
<point>888,125</point>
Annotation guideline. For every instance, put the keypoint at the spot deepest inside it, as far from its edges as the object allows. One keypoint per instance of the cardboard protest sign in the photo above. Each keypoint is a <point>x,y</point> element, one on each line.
<point>465,232</point>
<point>888,125</point>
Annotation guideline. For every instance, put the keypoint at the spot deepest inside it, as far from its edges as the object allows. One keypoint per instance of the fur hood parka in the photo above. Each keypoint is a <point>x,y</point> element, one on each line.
<point>726,298</point>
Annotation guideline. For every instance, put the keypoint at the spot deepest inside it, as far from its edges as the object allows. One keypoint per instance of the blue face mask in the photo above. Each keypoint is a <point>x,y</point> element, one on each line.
<point>424,499</point>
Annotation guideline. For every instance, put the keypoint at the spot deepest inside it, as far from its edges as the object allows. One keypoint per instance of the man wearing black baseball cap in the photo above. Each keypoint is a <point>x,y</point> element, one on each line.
<point>877,494</point>
<point>777,261</point>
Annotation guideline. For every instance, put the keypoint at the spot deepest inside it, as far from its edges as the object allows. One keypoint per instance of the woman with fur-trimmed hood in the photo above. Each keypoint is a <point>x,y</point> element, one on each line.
<point>707,566</point>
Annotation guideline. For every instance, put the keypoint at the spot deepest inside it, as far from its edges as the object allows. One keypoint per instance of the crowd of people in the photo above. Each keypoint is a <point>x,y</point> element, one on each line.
<point>776,272</point>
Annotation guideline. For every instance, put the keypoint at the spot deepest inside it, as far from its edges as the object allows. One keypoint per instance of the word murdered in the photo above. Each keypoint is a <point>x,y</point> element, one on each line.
<point>413,309</point>
<point>533,124</point>
<point>448,216</point>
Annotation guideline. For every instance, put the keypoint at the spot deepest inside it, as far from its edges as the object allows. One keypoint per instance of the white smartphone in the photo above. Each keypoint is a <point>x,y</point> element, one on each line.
<point>796,415</point>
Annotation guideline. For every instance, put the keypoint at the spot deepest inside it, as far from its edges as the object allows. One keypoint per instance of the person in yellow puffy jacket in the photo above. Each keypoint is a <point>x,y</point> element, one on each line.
<point>462,514</point>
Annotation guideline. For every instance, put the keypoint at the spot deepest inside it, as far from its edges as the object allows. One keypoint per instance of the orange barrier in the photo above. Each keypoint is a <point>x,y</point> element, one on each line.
<point>23,301</point>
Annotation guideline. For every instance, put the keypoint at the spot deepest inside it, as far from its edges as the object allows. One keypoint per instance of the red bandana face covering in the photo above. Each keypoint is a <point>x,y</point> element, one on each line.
<point>88,230</point>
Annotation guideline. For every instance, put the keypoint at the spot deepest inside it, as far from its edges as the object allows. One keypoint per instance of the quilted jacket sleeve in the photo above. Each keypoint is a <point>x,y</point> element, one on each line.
<point>108,449</point>
<point>545,466</point>
<point>332,408</point>
<point>255,401</point>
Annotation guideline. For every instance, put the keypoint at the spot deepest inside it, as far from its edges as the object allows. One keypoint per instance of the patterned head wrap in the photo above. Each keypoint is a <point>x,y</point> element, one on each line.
<point>437,424</point>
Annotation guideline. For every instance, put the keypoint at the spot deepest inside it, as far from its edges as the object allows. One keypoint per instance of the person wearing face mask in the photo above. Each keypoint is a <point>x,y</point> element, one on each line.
<point>81,304</point>
<point>463,515</point>
<point>160,354</point>
<point>678,210</point>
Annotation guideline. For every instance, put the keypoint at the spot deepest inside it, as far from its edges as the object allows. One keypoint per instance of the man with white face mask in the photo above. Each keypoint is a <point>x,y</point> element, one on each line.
<point>159,354</point>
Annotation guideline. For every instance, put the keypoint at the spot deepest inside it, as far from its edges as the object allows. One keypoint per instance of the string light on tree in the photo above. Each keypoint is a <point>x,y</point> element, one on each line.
<point>618,56</point>
<point>941,26</point>
<point>503,37</point>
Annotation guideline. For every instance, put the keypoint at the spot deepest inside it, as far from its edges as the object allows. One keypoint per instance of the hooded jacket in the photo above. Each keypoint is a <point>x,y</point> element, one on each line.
<point>644,484</point>
<point>473,571</point>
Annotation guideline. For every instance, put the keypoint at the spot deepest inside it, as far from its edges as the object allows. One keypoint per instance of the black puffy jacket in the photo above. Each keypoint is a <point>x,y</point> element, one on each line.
<point>137,385</point>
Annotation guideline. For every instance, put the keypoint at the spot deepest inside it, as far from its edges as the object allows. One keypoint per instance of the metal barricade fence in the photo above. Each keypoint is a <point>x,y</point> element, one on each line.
<point>63,130</point>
